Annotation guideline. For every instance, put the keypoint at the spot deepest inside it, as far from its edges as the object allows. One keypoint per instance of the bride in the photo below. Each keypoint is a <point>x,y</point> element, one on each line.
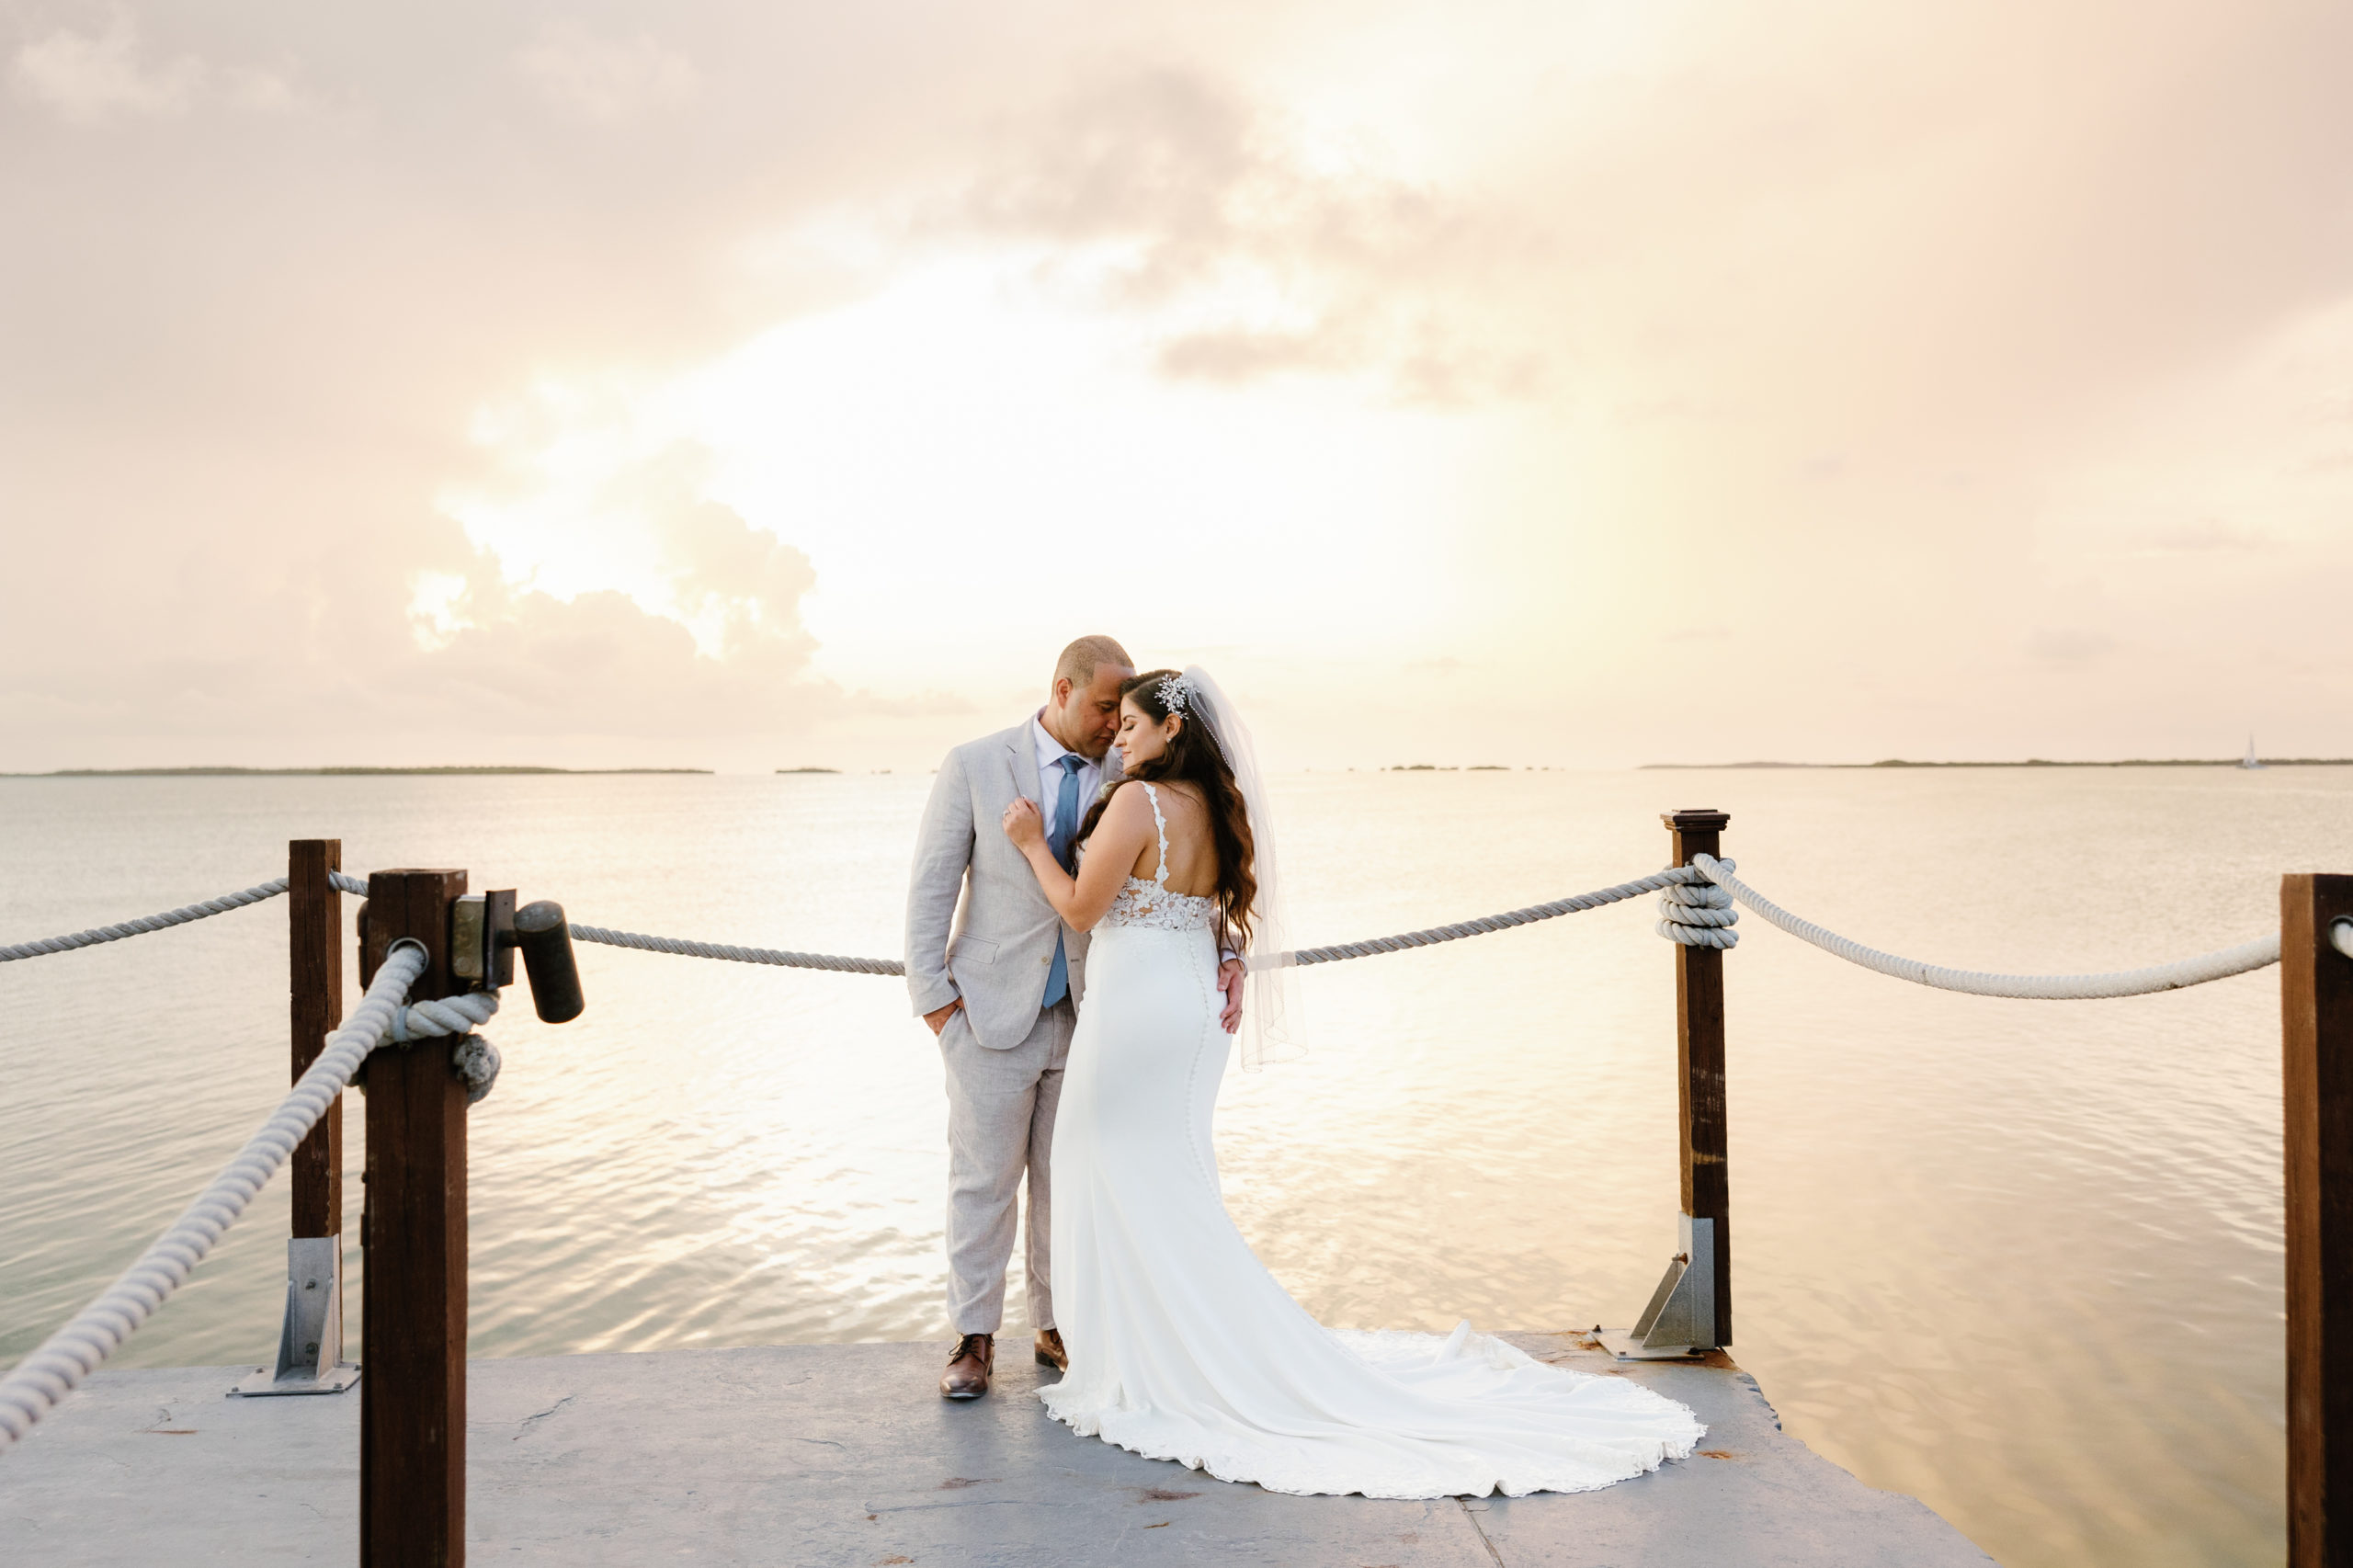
<point>1182,1346</point>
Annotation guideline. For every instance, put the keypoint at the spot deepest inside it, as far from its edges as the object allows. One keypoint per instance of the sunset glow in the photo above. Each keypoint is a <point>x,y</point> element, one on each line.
<point>743,389</point>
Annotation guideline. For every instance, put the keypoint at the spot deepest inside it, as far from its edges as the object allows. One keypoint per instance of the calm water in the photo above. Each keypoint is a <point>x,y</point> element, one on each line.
<point>2019,1259</point>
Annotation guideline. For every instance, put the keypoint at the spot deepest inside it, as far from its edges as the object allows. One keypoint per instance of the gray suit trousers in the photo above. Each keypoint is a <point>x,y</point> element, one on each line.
<point>1001,1126</point>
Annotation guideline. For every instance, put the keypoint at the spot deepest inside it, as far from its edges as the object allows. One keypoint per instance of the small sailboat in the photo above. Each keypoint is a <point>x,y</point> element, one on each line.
<point>2252,760</point>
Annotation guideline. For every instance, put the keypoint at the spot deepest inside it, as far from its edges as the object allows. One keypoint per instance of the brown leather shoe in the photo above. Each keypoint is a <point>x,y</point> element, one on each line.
<point>969,1368</point>
<point>1049,1350</point>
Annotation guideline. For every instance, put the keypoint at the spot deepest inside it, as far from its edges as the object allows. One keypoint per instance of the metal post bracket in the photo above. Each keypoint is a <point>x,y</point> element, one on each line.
<point>1680,1320</point>
<point>309,1345</point>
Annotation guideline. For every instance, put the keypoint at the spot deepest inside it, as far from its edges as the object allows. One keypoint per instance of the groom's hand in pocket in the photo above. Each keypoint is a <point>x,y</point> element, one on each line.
<point>1228,980</point>
<point>937,1017</point>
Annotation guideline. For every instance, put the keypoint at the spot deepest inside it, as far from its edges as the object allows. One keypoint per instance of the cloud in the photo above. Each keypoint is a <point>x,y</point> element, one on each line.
<point>2069,645</point>
<point>601,665</point>
<point>2209,535</point>
<point>1512,336</point>
<point>606,79</point>
<point>257,90</point>
<point>749,581</point>
<point>704,630</point>
<point>932,704</point>
<point>738,588</point>
<point>90,78</point>
<point>1237,355</point>
<point>1171,196</point>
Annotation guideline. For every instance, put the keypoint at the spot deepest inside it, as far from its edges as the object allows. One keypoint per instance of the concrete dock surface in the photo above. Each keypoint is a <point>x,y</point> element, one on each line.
<point>842,1454</point>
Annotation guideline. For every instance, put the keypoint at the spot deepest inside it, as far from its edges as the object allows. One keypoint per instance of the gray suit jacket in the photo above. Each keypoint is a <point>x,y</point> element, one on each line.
<point>997,949</point>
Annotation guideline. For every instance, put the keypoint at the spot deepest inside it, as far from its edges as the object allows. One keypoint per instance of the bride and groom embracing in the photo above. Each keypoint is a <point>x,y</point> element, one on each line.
<point>1114,858</point>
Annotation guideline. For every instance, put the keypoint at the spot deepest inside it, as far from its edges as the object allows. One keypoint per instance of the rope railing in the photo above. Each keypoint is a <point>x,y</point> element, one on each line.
<point>259,893</point>
<point>33,1388</point>
<point>682,947</point>
<point>1696,909</point>
<point>2032,987</point>
<point>146,922</point>
<point>38,1383</point>
<point>1694,913</point>
<point>1673,880</point>
<point>1708,901</point>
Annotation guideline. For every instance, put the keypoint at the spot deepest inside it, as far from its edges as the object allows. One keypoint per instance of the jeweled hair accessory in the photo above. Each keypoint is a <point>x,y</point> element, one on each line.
<point>1175,692</point>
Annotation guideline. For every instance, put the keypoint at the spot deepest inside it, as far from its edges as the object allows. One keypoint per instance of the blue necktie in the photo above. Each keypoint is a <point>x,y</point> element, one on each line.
<point>1058,839</point>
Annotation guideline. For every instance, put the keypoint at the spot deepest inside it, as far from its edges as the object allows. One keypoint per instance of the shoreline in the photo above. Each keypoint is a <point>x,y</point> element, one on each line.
<point>495,771</point>
<point>2231,762</point>
<point>338,772</point>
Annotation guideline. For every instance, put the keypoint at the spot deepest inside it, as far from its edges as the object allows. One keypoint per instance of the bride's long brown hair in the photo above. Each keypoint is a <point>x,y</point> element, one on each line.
<point>1193,758</point>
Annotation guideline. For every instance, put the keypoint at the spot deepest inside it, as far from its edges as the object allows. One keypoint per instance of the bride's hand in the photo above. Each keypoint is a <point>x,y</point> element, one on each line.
<point>1023,824</point>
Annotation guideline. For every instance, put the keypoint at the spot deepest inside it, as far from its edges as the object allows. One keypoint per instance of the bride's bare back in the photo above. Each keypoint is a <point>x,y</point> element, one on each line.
<point>1192,844</point>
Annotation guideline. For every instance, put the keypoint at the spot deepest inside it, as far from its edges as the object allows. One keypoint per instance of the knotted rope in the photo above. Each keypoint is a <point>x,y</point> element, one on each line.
<point>1698,914</point>
<point>2033,987</point>
<point>475,1059</point>
<point>38,1382</point>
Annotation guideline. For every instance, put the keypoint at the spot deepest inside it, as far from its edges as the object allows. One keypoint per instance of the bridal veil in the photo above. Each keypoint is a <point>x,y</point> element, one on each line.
<point>1271,1012</point>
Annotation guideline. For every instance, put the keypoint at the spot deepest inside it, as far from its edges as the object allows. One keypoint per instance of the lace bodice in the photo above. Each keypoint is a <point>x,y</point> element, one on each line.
<point>1142,903</point>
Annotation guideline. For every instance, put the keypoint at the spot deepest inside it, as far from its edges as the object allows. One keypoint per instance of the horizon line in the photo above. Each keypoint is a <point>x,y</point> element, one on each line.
<point>228,771</point>
<point>2032,762</point>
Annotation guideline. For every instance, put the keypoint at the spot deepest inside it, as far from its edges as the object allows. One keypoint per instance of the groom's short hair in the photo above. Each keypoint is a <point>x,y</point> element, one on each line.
<point>1080,660</point>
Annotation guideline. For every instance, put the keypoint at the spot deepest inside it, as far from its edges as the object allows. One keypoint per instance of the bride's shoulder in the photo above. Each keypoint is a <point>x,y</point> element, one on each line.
<point>1168,794</point>
<point>1184,793</point>
<point>1124,799</point>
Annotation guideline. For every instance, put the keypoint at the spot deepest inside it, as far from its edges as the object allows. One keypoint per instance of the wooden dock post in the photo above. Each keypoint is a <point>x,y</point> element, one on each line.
<point>310,1337</point>
<point>314,975</point>
<point>1700,1071</point>
<point>1691,1309</point>
<point>2316,1015</point>
<point>315,963</point>
<point>413,1399</point>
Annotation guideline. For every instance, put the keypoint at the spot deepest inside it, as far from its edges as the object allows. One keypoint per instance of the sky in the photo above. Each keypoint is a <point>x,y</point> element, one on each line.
<point>1575,384</point>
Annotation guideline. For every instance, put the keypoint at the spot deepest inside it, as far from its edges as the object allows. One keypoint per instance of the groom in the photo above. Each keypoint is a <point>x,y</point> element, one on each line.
<point>1000,987</point>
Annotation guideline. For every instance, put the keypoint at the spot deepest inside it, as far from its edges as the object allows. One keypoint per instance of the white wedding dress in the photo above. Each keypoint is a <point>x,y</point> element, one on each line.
<point>1182,1346</point>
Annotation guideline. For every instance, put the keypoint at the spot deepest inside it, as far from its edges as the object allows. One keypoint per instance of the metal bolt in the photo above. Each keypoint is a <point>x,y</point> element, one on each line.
<point>312,1349</point>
